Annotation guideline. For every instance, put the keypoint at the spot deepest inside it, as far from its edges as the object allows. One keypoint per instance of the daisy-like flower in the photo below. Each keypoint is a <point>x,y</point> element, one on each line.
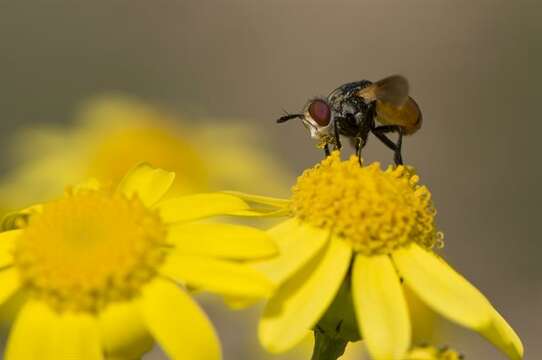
<point>112,134</point>
<point>375,230</point>
<point>104,271</point>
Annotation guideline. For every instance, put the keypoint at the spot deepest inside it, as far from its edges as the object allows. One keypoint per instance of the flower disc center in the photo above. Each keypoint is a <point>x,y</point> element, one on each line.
<point>375,211</point>
<point>90,248</point>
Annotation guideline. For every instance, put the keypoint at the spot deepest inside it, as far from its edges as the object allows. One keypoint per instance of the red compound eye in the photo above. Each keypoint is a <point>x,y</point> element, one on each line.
<point>320,112</point>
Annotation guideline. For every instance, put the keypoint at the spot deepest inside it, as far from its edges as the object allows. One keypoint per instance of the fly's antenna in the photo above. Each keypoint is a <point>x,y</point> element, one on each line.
<point>289,117</point>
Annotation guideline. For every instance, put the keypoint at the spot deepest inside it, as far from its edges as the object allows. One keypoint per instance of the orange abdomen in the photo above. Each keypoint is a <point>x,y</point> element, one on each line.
<point>408,116</point>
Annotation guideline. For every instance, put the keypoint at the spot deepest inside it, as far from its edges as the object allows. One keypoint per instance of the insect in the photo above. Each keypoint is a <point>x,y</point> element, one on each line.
<point>353,111</point>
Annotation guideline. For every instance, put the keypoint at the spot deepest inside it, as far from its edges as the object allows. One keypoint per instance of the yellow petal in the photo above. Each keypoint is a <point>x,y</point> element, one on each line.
<point>441,287</point>
<point>18,219</point>
<point>7,244</point>
<point>148,182</point>
<point>31,336</point>
<point>222,241</point>
<point>263,213</point>
<point>504,337</point>
<point>194,207</point>
<point>297,244</point>
<point>218,276</point>
<point>380,307</point>
<point>9,283</point>
<point>39,333</point>
<point>298,305</point>
<point>123,331</point>
<point>262,200</point>
<point>77,337</point>
<point>177,323</point>
<point>447,292</point>
<point>239,303</point>
<point>89,184</point>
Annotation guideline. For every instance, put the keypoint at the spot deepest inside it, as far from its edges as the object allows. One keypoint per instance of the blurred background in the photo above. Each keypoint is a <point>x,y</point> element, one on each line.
<point>474,69</point>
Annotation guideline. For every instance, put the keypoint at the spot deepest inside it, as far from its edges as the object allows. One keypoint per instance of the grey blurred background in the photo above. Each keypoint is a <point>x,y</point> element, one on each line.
<point>474,68</point>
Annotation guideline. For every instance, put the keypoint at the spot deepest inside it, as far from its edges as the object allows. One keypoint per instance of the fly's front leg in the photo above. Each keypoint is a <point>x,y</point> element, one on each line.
<point>364,127</point>
<point>359,143</point>
<point>326,151</point>
<point>338,144</point>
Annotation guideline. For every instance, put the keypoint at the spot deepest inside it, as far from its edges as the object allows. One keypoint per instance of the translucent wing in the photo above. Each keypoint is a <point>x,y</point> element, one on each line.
<point>392,90</point>
<point>393,105</point>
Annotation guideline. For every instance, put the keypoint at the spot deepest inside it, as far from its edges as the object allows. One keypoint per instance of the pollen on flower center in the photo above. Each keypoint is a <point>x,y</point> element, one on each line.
<point>90,248</point>
<point>375,211</point>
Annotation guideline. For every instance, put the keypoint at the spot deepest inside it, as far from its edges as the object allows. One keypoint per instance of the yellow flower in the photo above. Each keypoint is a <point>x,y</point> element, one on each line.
<point>104,270</point>
<point>374,229</point>
<point>113,134</point>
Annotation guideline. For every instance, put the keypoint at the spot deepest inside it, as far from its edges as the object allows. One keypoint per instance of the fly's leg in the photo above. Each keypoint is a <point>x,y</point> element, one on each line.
<point>380,133</point>
<point>364,127</point>
<point>359,144</point>
<point>338,144</point>
<point>398,157</point>
<point>326,151</point>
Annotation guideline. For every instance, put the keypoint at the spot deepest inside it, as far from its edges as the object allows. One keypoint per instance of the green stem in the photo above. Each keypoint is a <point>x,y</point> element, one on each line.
<point>327,347</point>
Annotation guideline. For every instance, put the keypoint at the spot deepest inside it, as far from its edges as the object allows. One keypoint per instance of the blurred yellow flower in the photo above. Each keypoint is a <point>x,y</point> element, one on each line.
<point>103,270</point>
<point>113,134</point>
<point>432,353</point>
<point>375,229</point>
